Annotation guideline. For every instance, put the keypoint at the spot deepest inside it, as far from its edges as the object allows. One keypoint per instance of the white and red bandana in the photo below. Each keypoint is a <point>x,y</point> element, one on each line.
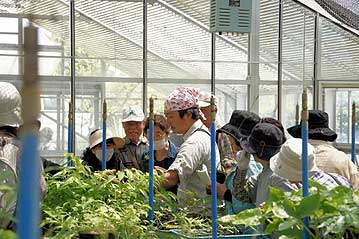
<point>182,98</point>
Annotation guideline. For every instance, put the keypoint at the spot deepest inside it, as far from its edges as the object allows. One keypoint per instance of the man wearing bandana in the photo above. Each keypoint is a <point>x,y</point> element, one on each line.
<point>192,167</point>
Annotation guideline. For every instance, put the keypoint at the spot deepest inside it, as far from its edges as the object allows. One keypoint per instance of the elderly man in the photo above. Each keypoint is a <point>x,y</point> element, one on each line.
<point>192,166</point>
<point>328,158</point>
<point>224,145</point>
<point>135,142</point>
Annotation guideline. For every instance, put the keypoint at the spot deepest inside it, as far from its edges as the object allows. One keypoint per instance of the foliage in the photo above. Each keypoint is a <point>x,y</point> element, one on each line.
<point>333,212</point>
<point>107,202</point>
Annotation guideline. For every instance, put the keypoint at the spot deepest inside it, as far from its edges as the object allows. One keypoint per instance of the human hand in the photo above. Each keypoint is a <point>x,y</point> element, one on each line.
<point>243,159</point>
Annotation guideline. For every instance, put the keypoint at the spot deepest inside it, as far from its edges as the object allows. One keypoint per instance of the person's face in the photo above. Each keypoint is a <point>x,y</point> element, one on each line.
<point>99,147</point>
<point>235,147</point>
<point>178,125</point>
<point>133,130</point>
<point>158,133</point>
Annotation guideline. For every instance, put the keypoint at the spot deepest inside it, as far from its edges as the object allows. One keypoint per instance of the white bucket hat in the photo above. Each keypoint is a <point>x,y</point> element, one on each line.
<point>133,113</point>
<point>204,99</point>
<point>96,138</point>
<point>288,162</point>
<point>10,105</point>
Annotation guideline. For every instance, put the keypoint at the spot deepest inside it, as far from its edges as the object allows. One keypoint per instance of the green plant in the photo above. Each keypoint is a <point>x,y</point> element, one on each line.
<point>79,201</point>
<point>333,212</point>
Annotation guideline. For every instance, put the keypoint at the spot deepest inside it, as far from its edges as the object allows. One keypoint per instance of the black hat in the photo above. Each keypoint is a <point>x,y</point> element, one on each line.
<point>318,127</point>
<point>240,124</point>
<point>265,141</point>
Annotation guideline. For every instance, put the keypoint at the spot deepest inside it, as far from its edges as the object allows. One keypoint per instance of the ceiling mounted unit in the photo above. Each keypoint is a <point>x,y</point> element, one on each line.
<point>231,16</point>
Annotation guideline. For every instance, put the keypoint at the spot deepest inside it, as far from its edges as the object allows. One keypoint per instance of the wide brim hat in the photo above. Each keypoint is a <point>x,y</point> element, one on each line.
<point>318,127</point>
<point>264,141</point>
<point>96,138</point>
<point>10,105</point>
<point>232,131</point>
<point>288,163</point>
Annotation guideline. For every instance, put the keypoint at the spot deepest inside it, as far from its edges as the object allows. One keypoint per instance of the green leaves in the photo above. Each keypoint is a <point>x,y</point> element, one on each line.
<point>308,205</point>
<point>332,212</point>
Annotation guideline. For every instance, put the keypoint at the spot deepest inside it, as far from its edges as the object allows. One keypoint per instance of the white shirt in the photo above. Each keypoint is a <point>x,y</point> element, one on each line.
<point>194,154</point>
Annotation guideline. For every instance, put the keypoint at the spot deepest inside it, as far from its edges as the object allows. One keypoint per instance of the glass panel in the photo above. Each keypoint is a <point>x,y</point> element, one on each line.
<point>8,39</point>
<point>8,24</point>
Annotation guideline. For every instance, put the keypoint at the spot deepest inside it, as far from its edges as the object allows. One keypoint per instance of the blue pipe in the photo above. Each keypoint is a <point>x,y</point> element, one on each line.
<point>353,154</point>
<point>69,144</point>
<point>213,179</point>
<point>305,174</point>
<point>104,145</point>
<point>151,168</point>
<point>29,189</point>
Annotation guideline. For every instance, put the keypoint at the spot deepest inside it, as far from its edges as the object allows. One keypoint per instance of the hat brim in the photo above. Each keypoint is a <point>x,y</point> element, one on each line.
<point>133,118</point>
<point>325,134</point>
<point>119,142</point>
<point>12,118</point>
<point>232,131</point>
<point>202,104</point>
<point>246,146</point>
<point>283,170</point>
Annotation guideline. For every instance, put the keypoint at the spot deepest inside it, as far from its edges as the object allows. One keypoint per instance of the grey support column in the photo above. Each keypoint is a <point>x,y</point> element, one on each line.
<point>280,61</point>
<point>253,57</point>
<point>144,58</point>
<point>213,64</point>
<point>73,71</point>
<point>317,62</point>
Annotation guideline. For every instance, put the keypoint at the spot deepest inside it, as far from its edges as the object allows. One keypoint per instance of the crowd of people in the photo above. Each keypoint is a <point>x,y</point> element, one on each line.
<point>253,153</point>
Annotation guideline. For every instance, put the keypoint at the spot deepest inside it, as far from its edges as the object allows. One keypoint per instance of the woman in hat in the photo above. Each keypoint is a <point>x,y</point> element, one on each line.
<point>92,156</point>
<point>264,142</point>
<point>328,158</point>
<point>239,126</point>
<point>288,164</point>
<point>165,150</point>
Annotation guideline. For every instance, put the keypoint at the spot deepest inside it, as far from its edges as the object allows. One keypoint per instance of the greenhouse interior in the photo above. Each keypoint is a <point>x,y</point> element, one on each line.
<point>179,119</point>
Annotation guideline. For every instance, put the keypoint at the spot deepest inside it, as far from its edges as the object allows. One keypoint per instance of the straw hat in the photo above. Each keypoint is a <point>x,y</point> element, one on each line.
<point>288,162</point>
<point>96,138</point>
<point>10,105</point>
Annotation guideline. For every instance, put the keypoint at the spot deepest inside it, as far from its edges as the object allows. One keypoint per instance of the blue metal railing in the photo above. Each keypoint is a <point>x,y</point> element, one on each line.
<point>305,174</point>
<point>213,170</point>
<point>104,132</point>
<point>151,164</point>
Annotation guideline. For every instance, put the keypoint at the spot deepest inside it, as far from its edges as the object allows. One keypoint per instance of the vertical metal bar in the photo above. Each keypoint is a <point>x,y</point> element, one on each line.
<point>213,168</point>
<point>20,45</point>
<point>297,114</point>
<point>353,154</point>
<point>349,118</point>
<point>152,163</point>
<point>280,60</point>
<point>213,64</point>
<point>144,56</point>
<point>69,136</point>
<point>305,174</point>
<point>73,74</point>
<point>58,117</point>
<point>29,173</point>
<point>104,129</point>
<point>316,69</point>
